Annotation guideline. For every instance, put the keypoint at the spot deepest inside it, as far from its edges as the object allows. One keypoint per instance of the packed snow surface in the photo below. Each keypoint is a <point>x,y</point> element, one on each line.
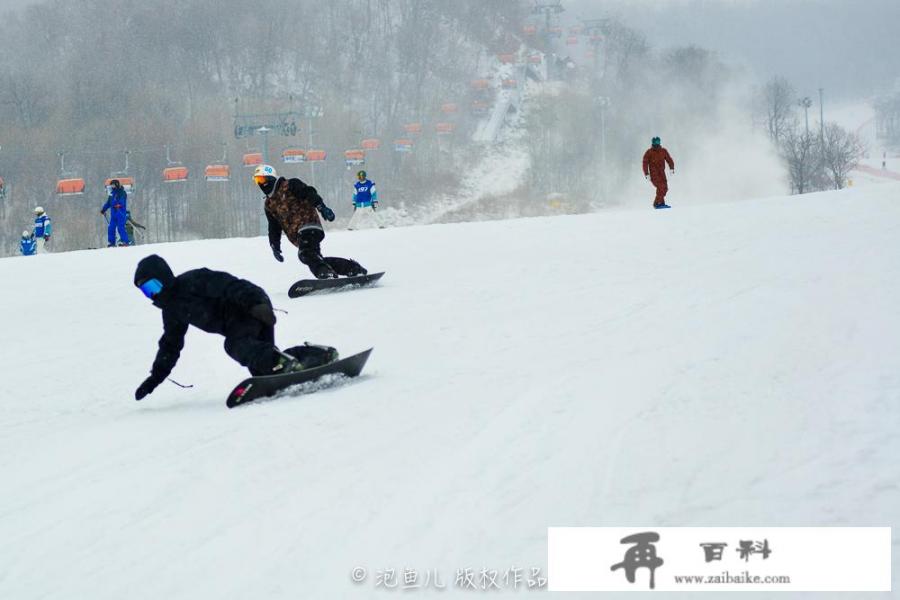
<point>720,365</point>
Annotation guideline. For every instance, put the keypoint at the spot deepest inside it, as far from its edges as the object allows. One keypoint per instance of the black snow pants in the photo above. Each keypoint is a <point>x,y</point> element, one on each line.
<point>310,254</point>
<point>251,343</point>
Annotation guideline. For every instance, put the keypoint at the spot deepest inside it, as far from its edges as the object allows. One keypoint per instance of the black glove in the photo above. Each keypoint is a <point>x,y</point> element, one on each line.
<point>276,252</point>
<point>264,313</point>
<point>145,388</point>
<point>327,213</point>
<point>374,204</point>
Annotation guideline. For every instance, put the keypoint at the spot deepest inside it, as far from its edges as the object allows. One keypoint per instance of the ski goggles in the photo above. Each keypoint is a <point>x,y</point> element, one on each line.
<point>260,179</point>
<point>151,287</point>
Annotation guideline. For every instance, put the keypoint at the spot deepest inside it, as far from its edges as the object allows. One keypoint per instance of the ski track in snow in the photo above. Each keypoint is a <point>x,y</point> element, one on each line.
<point>720,365</point>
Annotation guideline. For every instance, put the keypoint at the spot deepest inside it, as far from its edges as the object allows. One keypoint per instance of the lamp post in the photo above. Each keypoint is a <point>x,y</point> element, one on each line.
<point>265,134</point>
<point>821,115</point>
<point>603,103</point>
<point>806,103</point>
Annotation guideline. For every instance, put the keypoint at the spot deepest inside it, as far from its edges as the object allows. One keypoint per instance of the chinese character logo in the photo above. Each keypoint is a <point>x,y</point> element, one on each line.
<point>748,547</point>
<point>642,554</point>
<point>713,550</point>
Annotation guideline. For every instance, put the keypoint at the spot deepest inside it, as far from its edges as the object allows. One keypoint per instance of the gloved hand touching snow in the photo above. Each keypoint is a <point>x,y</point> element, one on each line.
<point>145,388</point>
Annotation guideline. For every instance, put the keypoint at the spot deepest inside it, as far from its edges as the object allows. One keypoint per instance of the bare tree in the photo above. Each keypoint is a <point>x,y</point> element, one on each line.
<point>840,153</point>
<point>777,107</point>
<point>800,150</point>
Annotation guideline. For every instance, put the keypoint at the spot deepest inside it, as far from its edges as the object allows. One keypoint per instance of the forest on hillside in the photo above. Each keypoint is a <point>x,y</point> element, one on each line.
<point>109,87</point>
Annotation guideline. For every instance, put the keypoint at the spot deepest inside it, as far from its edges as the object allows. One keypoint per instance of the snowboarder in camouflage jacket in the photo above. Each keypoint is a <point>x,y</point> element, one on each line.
<point>293,208</point>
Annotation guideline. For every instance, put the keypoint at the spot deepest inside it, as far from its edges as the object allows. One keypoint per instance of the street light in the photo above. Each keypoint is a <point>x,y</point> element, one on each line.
<point>265,133</point>
<point>603,103</point>
<point>806,103</point>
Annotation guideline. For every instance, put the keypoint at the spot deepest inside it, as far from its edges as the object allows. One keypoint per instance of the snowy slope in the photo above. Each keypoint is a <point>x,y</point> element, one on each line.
<point>731,364</point>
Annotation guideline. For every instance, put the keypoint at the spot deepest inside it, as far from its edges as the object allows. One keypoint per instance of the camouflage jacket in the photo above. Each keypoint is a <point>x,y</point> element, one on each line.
<point>291,208</point>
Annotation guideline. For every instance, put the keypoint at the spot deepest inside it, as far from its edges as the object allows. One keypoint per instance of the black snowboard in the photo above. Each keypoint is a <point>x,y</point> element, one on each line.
<point>253,388</point>
<point>310,286</point>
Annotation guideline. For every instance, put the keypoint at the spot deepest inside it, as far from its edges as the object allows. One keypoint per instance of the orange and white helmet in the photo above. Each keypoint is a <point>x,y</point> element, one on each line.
<point>263,173</point>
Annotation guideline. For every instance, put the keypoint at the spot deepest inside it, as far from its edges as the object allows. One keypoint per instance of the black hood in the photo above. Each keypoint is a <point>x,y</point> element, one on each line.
<point>154,267</point>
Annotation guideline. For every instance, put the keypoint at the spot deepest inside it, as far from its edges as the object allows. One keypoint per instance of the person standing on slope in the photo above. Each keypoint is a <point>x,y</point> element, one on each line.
<point>293,208</point>
<point>28,245</point>
<point>117,204</point>
<point>655,161</point>
<point>218,302</point>
<point>365,201</point>
<point>130,224</point>
<point>42,228</point>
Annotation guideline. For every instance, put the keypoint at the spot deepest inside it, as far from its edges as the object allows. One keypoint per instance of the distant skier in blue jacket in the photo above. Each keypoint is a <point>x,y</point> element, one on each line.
<point>117,204</point>
<point>42,228</point>
<point>365,201</point>
<point>28,245</point>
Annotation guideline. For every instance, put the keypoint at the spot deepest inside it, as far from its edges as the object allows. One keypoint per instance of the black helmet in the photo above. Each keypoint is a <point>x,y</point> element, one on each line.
<point>114,183</point>
<point>154,269</point>
<point>361,174</point>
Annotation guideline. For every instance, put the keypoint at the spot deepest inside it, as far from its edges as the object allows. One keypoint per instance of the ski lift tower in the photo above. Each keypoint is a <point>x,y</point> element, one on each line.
<point>282,123</point>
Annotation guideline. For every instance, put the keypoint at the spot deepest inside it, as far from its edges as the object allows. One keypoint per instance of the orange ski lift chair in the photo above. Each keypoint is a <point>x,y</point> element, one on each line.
<point>572,40</point>
<point>413,128</point>
<point>481,84</point>
<point>73,186</point>
<point>354,157</point>
<point>370,144</point>
<point>449,108</point>
<point>316,155</point>
<point>535,59</point>
<point>175,172</point>
<point>444,128</point>
<point>403,145</point>
<point>124,178</point>
<point>509,84</point>
<point>219,171</point>
<point>68,184</point>
<point>529,29</point>
<point>293,155</point>
<point>507,58</point>
<point>252,159</point>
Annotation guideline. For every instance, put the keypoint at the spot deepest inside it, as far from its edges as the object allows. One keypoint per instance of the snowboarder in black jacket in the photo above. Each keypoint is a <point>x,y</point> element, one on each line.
<point>218,302</point>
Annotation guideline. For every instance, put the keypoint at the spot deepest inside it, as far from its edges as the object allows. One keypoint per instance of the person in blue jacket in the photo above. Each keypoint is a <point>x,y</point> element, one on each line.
<point>117,204</point>
<point>42,228</point>
<point>28,245</point>
<point>365,200</point>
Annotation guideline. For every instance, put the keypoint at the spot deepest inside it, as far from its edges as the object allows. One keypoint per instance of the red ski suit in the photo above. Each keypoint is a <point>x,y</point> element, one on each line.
<point>655,160</point>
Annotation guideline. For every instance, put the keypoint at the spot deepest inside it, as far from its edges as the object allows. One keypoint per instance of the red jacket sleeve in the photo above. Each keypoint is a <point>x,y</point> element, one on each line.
<point>647,162</point>
<point>669,161</point>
